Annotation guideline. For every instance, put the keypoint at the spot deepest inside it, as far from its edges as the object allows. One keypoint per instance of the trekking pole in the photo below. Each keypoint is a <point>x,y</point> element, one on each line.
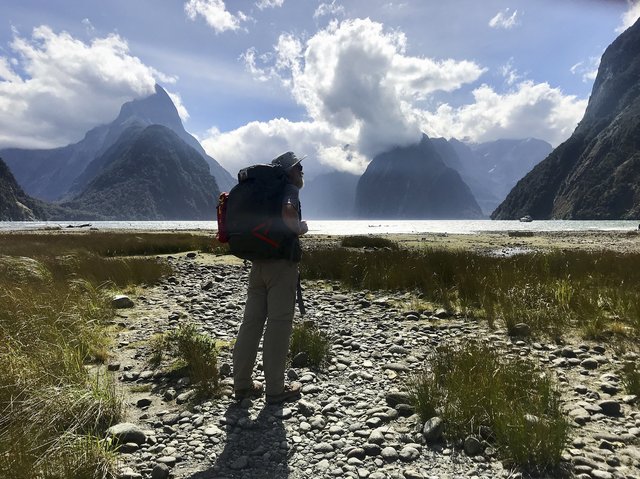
<point>299,298</point>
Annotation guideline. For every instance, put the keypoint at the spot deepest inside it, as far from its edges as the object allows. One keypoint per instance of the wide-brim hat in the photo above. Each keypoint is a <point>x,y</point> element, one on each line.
<point>287,160</point>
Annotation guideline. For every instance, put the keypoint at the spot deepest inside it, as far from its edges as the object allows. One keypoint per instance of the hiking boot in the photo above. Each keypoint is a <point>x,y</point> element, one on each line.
<point>253,392</point>
<point>291,392</point>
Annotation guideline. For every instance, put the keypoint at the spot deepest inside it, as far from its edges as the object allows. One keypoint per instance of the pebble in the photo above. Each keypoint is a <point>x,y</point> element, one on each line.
<point>354,419</point>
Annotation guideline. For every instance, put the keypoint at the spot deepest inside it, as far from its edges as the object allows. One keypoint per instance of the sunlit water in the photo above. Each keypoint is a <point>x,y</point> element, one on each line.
<point>330,227</point>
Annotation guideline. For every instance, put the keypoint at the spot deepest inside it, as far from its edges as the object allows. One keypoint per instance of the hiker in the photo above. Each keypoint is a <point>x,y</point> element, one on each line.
<point>271,298</point>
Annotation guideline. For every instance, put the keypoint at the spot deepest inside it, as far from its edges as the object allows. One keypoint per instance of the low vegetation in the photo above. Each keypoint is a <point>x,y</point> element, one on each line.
<point>311,342</point>
<point>185,349</point>
<point>631,377</point>
<point>55,313</point>
<point>107,243</point>
<point>507,403</point>
<point>362,241</point>
<point>554,292</point>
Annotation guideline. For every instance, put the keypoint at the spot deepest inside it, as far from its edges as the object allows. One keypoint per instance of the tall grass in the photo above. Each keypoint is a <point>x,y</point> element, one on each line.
<point>310,341</point>
<point>54,310</point>
<point>510,402</point>
<point>194,352</point>
<point>597,293</point>
<point>107,243</point>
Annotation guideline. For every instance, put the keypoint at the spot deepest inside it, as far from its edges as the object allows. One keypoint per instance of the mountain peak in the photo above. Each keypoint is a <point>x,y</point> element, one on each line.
<point>157,108</point>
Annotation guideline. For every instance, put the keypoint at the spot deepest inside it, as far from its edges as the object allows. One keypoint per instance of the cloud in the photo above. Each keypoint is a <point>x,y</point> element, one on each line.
<point>66,86</point>
<point>630,16</point>
<point>177,101</point>
<point>588,70</point>
<point>355,76</point>
<point>260,142</point>
<point>328,9</point>
<point>262,4</point>
<point>502,19</point>
<point>530,110</point>
<point>215,13</point>
<point>88,25</point>
<point>363,94</point>
<point>510,73</point>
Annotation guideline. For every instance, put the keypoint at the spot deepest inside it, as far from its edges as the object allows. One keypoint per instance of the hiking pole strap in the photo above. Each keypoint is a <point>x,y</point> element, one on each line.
<point>299,298</point>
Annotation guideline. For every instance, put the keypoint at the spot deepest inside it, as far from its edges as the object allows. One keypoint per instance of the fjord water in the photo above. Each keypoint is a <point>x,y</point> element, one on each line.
<point>348,227</point>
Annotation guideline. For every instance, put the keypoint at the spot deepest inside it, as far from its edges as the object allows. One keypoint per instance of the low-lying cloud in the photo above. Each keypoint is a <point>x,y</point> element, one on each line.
<point>363,94</point>
<point>53,87</point>
<point>630,16</point>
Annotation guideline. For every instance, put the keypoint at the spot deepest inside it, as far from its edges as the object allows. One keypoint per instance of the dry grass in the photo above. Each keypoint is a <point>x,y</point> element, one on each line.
<point>596,293</point>
<point>55,309</point>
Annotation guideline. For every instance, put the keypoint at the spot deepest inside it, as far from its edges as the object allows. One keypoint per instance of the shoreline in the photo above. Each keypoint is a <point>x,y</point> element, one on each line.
<point>492,241</point>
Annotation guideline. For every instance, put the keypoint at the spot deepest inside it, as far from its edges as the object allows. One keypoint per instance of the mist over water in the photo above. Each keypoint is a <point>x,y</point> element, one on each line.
<point>345,227</point>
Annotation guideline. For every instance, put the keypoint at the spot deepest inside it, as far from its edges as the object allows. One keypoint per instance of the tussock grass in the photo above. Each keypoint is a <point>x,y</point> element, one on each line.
<point>362,241</point>
<point>631,377</point>
<point>311,341</point>
<point>189,350</point>
<point>108,243</point>
<point>510,402</point>
<point>55,309</point>
<point>596,293</point>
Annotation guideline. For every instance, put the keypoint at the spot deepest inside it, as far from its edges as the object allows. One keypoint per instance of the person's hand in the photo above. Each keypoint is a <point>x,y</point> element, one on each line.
<point>303,228</point>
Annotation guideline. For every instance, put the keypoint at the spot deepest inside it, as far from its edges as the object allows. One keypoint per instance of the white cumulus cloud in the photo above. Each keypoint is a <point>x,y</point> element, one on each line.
<point>630,16</point>
<point>363,94</point>
<point>215,14</point>
<point>530,110</point>
<point>53,87</point>
<point>328,9</point>
<point>262,4</point>
<point>502,19</point>
<point>355,79</point>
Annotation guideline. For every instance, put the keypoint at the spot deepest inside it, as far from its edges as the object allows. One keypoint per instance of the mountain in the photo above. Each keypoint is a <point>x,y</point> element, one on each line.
<point>595,174</point>
<point>491,169</point>
<point>150,173</point>
<point>62,172</point>
<point>15,205</point>
<point>329,196</point>
<point>413,183</point>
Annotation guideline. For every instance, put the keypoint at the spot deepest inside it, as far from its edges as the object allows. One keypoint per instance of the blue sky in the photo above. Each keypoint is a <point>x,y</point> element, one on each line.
<point>337,80</point>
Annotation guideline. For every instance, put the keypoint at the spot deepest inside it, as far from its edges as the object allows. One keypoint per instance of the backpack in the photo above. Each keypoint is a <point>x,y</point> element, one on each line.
<point>250,216</point>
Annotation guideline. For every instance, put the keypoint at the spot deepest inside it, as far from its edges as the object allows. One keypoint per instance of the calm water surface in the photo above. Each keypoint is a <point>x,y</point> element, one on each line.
<point>330,227</point>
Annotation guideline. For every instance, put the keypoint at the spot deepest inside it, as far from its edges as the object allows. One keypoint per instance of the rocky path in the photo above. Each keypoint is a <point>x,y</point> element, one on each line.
<point>352,420</point>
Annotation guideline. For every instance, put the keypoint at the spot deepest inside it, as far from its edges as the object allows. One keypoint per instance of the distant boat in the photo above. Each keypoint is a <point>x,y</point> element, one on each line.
<point>526,219</point>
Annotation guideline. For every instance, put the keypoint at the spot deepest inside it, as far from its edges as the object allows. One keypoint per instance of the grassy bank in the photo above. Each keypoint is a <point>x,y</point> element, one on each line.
<point>510,406</point>
<point>556,292</point>
<point>55,312</point>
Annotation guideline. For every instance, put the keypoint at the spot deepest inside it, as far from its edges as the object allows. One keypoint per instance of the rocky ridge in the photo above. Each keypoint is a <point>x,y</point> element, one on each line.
<point>594,174</point>
<point>352,420</point>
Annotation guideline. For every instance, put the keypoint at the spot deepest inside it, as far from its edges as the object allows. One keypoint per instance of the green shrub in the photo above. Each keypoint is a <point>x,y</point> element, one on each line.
<point>631,377</point>
<point>473,388</point>
<point>368,242</point>
<point>197,352</point>
<point>309,340</point>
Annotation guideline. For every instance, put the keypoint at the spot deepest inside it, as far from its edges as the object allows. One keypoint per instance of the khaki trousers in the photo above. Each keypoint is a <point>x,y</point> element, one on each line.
<point>270,298</point>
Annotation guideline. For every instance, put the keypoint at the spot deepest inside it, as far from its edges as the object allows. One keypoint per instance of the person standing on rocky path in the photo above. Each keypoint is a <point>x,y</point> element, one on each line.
<point>271,297</point>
